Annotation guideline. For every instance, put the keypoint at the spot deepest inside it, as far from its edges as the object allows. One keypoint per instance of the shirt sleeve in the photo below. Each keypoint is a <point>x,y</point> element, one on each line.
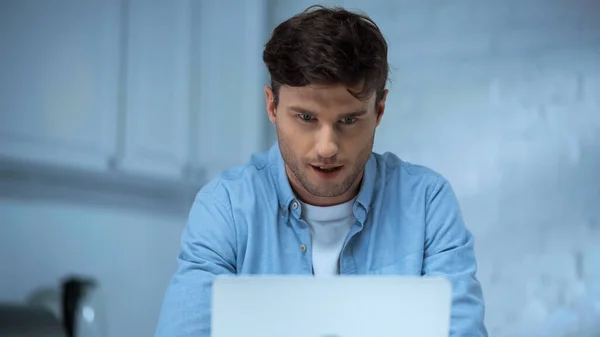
<point>449,252</point>
<point>207,250</point>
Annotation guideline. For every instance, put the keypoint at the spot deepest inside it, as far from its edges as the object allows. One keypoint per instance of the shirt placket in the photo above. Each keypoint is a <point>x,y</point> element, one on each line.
<point>302,232</point>
<point>347,260</point>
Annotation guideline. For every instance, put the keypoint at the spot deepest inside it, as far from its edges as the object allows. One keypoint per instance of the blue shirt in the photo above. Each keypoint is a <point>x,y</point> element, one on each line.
<point>247,221</point>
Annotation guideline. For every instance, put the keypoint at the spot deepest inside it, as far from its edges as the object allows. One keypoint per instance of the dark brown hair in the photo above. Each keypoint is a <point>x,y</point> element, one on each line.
<point>327,46</point>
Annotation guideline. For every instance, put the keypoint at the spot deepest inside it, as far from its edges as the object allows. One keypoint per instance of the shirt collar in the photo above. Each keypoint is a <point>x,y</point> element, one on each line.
<point>286,196</point>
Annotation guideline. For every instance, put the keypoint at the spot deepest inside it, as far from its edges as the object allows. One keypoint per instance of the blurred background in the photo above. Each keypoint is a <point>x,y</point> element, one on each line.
<point>114,113</point>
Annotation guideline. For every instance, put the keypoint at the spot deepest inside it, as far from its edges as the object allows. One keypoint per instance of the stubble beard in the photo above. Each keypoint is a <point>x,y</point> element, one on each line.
<point>296,166</point>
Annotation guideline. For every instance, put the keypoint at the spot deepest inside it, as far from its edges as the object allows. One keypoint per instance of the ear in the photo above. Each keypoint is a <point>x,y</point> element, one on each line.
<point>270,103</point>
<point>381,106</point>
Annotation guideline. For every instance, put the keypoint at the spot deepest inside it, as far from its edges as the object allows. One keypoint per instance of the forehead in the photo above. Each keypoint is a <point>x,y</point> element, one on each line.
<point>323,98</point>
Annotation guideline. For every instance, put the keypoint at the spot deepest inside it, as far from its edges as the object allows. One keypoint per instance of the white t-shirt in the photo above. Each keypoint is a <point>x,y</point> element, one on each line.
<point>329,227</point>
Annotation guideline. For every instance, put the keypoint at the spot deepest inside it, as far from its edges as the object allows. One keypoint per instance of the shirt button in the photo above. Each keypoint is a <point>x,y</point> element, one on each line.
<point>295,205</point>
<point>303,248</point>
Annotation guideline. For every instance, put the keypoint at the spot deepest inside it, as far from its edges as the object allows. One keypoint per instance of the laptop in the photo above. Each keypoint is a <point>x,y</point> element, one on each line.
<point>342,306</point>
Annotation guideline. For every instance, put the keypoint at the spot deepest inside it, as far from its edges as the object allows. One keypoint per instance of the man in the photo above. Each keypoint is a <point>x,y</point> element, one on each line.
<point>320,201</point>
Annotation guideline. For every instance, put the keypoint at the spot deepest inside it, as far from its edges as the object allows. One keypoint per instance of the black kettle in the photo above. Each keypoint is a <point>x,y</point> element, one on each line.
<point>83,309</point>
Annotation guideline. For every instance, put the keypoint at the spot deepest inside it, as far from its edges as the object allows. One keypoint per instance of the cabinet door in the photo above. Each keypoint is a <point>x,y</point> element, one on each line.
<point>59,66</point>
<point>228,96</point>
<point>157,115</point>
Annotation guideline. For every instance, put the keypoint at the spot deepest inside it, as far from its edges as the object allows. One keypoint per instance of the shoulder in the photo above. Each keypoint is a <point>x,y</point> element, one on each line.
<point>407,175</point>
<point>239,181</point>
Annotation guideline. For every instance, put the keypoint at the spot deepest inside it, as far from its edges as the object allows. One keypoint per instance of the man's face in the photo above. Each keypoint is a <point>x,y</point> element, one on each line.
<point>326,137</point>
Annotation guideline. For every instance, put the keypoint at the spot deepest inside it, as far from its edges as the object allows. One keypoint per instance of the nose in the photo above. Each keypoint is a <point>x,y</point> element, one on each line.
<point>327,146</point>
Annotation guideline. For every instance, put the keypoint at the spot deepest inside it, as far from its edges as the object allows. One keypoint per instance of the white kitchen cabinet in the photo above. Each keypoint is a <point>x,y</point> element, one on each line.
<point>229,76</point>
<point>170,91</point>
<point>195,78</point>
<point>157,126</point>
<point>59,76</point>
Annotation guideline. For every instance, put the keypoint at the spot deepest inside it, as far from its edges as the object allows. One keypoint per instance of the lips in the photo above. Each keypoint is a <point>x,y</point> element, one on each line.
<point>326,171</point>
<point>326,168</point>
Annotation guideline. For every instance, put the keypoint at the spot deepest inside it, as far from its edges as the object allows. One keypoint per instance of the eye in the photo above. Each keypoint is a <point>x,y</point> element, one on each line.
<point>305,117</point>
<point>348,120</point>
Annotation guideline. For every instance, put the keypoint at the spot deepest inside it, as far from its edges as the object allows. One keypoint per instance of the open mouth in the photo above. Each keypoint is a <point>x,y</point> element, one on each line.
<point>324,169</point>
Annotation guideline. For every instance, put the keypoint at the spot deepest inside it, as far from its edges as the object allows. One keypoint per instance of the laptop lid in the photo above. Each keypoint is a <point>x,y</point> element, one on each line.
<point>344,306</point>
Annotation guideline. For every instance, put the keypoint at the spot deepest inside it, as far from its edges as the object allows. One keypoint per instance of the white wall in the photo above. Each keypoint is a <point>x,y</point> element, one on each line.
<point>503,98</point>
<point>132,254</point>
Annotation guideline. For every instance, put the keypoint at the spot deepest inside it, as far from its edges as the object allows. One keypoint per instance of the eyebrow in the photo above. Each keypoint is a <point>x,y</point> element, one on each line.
<point>308,112</point>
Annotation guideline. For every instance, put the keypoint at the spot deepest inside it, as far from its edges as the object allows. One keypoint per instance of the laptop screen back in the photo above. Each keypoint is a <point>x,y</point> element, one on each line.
<point>345,306</point>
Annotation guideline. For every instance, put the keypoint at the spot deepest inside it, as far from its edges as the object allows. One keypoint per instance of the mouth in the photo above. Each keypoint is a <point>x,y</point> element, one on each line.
<point>326,167</point>
<point>327,170</point>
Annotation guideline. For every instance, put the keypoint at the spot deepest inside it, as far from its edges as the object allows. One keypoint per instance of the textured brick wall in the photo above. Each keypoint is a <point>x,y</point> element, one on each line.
<point>504,99</point>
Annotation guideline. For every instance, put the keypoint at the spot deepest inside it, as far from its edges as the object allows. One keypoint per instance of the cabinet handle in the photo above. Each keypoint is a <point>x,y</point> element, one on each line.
<point>113,163</point>
<point>200,175</point>
<point>186,171</point>
<point>193,173</point>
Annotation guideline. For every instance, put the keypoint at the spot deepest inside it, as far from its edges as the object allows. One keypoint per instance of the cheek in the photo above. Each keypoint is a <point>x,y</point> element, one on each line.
<point>301,139</point>
<point>296,143</point>
<point>288,125</point>
<point>359,144</point>
<point>358,136</point>
<point>285,131</point>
